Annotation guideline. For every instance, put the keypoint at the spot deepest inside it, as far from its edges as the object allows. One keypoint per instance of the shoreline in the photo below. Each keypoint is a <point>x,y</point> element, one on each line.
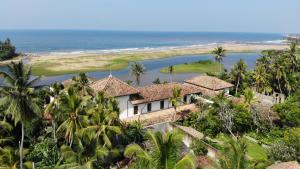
<point>59,64</point>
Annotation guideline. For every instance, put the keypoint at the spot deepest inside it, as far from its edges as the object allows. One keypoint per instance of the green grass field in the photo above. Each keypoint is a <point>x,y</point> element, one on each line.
<point>254,150</point>
<point>206,66</point>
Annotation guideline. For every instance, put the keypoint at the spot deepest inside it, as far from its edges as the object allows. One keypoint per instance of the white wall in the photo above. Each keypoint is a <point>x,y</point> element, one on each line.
<point>127,109</point>
<point>125,106</point>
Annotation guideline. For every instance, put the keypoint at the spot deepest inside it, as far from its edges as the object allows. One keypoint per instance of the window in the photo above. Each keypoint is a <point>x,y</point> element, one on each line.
<point>185,99</point>
<point>135,109</point>
<point>149,107</point>
<point>162,104</point>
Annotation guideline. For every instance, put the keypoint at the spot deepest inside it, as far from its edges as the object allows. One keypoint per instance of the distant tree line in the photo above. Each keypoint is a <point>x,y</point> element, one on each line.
<point>7,50</point>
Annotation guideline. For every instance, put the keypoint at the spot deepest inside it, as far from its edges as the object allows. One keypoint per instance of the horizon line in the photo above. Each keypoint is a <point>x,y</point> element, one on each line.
<point>119,30</point>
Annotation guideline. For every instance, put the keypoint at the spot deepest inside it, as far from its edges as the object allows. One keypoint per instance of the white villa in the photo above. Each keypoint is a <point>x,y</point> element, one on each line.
<point>141,100</point>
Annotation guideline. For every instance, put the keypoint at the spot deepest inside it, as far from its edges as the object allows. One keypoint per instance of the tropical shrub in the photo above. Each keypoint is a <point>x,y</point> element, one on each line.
<point>282,152</point>
<point>292,139</point>
<point>289,111</point>
<point>199,148</point>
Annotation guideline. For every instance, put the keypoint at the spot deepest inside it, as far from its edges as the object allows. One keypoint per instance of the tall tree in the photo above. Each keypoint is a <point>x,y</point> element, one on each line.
<point>22,97</point>
<point>52,109</point>
<point>104,121</point>
<point>171,70</point>
<point>238,74</point>
<point>221,105</point>
<point>219,53</point>
<point>261,79</point>
<point>137,69</point>
<point>292,56</point>
<point>279,72</point>
<point>164,152</point>
<point>175,100</point>
<point>72,109</point>
<point>82,84</point>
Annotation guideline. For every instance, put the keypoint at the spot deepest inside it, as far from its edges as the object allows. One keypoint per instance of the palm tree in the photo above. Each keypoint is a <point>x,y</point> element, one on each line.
<point>171,70</point>
<point>73,112</point>
<point>238,73</point>
<point>279,71</point>
<point>175,100</point>
<point>8,158</point>
<point>261,79</point>
<point>219,53</point>
<point>234,156</point>
<point>249,97</point>
<point>164,152</point>
<point>52,109</point>
<point>21,97</point>
<point>104,121</point>
<point>74,160</point>
<point>82,84</point>
<point>137,69</point>
<point>293,57</point>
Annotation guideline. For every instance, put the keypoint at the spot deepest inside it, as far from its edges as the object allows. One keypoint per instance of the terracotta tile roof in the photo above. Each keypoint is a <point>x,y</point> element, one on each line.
<point>113,87</point>
<point>209,82</point>
<point>204,91</point>
<point>157,92</point>
<point>285,165</point>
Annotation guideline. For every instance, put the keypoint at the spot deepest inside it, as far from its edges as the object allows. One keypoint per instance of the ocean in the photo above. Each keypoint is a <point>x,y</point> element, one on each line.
<point>76,41</point>
<point>80,41</point>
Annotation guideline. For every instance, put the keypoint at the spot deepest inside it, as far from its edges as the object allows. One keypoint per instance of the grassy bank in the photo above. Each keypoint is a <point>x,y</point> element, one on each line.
<point>206,66</point>
<point>50,65</point>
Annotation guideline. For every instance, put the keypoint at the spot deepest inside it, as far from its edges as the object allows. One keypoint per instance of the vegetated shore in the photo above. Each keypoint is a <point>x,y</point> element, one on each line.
<point>205,66</point>
<point>58,64</point>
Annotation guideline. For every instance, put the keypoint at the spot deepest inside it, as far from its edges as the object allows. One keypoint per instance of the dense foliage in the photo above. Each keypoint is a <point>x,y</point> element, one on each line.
<point>7,50</point>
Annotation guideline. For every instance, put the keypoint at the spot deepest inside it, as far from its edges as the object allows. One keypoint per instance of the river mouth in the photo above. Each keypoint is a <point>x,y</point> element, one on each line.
<point>153,68</point>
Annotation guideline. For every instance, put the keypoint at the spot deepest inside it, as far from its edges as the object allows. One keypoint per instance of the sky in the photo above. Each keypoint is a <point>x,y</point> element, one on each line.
<point>274,16</point>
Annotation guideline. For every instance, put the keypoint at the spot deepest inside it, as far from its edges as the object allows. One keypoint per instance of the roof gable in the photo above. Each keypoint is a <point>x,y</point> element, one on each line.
<point>157,92</point>
<point>113,87</point>
<point>209,82</point>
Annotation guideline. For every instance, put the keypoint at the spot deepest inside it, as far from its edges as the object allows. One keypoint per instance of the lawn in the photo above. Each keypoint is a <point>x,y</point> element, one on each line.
<point>254,151</point>
<point>205,66</point>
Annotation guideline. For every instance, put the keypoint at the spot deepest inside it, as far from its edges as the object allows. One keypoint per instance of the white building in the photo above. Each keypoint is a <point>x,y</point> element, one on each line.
<point>141,100</point>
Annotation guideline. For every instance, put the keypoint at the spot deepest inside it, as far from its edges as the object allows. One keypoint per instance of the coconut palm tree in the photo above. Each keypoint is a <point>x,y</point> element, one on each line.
<point>163,152</point>
<point>137,69</point>
<point>103,122</point>
<point>238,73</point>
<point>234,156</point>
<point>293,57</point>
<point>175,100</point>
<point>52,109</point>
<point>219,53</point>
<point>261,79</point>
<point>74,160</point>
<point>21,95</point>
<point>82,84</point>
<point>279,72</point>
<point>72,109</point>
<point>171,70</point>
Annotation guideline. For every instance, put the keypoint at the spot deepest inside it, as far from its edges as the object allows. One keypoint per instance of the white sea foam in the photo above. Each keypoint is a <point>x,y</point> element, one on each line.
<point>108,51</point>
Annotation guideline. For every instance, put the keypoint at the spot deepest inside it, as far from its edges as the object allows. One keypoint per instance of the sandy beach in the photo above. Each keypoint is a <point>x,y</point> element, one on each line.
<point>57,64</point>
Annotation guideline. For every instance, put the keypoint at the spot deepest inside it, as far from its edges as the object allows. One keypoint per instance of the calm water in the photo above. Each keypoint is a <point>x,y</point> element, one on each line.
<point>61,41</point>
<point>153,67</point>
<point>45,41</point>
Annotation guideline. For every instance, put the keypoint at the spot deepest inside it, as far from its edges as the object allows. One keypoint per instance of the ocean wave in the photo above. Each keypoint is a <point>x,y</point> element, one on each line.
<point>145,49</point>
